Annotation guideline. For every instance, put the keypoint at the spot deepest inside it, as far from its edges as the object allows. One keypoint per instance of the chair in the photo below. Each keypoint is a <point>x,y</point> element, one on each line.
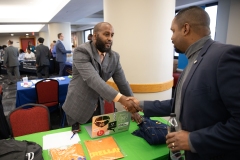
<point>109,107</point>
<point>29,118</point>
<point>47,92</point>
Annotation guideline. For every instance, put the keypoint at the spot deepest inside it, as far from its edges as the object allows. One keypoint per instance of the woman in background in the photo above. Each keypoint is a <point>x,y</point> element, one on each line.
<point>21,55</point>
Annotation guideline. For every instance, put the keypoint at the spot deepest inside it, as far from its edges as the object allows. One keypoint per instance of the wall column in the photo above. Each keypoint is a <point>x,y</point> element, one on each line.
<point>45,36</point>
<point>143,40</point>
<point>65,29</point>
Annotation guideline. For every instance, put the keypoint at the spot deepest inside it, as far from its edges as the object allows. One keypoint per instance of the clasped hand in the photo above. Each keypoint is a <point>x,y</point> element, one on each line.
<point>131,104</point>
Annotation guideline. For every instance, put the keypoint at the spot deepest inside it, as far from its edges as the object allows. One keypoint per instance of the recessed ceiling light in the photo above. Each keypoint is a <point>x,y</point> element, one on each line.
<point>27,34</point>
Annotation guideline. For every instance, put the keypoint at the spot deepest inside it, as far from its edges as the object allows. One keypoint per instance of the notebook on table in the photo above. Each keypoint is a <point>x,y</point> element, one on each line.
<point>107,124</point>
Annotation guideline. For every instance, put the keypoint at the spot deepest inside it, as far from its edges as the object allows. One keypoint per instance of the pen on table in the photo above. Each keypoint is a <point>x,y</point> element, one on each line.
<point>72,136</point>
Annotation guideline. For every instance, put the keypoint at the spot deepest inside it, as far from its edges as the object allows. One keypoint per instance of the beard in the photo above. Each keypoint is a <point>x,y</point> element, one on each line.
<point>178,50</point>
<point>101,45</point>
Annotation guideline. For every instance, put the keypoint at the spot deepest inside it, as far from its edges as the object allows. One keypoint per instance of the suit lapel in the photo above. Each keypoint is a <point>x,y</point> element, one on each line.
<point>193,69</point>
<point>95,54</point>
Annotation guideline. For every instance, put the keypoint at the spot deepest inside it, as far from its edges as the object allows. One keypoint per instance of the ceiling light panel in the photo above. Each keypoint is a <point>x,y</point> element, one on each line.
<point>21,28</point>
<point>16,11</point>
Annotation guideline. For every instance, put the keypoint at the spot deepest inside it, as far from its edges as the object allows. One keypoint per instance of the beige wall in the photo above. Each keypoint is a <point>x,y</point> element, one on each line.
<point>15,39</point>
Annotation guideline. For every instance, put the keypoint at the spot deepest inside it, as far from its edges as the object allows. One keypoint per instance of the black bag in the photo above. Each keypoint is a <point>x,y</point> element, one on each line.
<point>20,150</point>
<point>154,132</point>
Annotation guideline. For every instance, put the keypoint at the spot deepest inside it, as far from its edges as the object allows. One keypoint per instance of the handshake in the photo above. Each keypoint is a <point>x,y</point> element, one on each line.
<point>131,104</point>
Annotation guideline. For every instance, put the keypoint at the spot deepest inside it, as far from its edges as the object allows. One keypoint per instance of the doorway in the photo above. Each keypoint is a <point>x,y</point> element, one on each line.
<point>24,42</point>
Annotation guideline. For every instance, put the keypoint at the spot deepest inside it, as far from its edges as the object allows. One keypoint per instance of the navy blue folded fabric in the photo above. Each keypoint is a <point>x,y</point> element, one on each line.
<point>154,132</point>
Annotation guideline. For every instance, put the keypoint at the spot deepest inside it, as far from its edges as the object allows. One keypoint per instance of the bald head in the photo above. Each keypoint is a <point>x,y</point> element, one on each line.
<point>103,36</point>
<point>196,17</point>
<point>100,26</point>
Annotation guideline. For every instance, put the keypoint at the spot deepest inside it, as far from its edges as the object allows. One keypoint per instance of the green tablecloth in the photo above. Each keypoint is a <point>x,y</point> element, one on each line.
<point>135,148</point>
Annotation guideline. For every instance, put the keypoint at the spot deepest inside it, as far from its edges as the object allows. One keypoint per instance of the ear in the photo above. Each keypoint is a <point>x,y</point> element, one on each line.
<point>186,28</point>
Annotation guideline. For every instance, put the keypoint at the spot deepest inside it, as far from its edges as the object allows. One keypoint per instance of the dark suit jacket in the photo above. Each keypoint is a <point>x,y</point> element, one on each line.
<point>88,83</point>
<point>210,103</point>
<point>42,55</point>
<point>61,52</point>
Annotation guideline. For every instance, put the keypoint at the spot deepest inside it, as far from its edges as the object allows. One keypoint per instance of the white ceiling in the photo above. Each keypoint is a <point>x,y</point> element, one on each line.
<point>82,14</point>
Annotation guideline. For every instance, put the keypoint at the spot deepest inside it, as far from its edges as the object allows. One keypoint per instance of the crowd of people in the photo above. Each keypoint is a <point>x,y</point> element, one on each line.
<point>11,57</point>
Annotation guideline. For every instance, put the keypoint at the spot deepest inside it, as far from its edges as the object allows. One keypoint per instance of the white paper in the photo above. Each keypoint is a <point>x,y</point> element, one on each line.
<point>35,81</point>
<point>57,140</point>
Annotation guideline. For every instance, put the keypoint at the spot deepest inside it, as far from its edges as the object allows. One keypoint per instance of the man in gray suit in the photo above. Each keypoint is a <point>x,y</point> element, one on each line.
<point>93,64</point>
<point>42,58</point>
<point>11,62</point>
<point>61,52</point>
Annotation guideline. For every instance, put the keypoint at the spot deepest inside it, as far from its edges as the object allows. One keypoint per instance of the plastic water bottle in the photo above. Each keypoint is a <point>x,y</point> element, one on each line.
<point>173,126</point>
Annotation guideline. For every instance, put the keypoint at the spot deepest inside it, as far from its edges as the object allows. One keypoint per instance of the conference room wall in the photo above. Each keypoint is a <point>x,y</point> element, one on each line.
<point>228,22</point>
<point>15,39</point>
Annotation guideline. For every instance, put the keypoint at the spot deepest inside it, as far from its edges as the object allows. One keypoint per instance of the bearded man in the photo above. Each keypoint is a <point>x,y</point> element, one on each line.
<point>93,64</point>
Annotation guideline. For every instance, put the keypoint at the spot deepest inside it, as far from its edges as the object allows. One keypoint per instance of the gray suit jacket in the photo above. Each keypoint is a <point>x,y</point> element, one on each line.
<point>42,55</point>
<point>11,57</point>
<point>88,83</point>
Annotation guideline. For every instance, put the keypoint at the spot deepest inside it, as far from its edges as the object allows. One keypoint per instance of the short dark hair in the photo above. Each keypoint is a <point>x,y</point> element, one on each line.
<point>196,16</point>
<point>59,35</point>
<point>40,40</point>
<point>54,41</point>
<point>10,41</point>
<point>21,50</point>
<point>4,46</point>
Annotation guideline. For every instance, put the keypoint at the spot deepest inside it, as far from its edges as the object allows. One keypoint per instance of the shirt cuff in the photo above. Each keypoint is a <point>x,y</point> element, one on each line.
<point>190,144</point>
<point>141,104</point>
<point>119,95</point>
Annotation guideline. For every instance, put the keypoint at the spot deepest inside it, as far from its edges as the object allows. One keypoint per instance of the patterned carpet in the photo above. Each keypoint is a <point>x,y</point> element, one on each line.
<point>9,98</point>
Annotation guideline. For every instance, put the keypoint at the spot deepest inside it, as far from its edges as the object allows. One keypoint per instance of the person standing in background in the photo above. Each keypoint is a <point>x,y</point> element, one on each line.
<point>61,52</point>
<point>53,52</point>
<point>11,62</point>
<point>90,37</point>
<point>42,58</point>
<point>31,47</point>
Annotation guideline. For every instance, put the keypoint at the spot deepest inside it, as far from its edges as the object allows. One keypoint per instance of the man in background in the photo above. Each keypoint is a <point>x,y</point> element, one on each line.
<point>42,58</point>
<point>90,37</point>
<point>61,52</point>
<point>94,63</point>
<point>11,62</point>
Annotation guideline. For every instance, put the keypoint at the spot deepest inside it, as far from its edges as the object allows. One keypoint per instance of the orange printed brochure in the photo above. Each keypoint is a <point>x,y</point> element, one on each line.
<point>104,149</point>
<point>74,152</point>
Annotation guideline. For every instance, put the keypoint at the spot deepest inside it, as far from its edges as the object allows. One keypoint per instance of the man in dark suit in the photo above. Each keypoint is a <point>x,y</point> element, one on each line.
<point>206,100</point>
<point>11,62</point>
<point>42,58</point>
<point>93,64</point>
<point>61,52</point>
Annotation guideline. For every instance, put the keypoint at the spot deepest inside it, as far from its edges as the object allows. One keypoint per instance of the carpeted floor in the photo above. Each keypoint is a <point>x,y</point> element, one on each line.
<point>9,98</point>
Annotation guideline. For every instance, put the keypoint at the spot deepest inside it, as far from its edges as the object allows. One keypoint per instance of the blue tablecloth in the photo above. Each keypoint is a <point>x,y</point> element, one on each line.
<point>28,95</point>
<point>67,69</point>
